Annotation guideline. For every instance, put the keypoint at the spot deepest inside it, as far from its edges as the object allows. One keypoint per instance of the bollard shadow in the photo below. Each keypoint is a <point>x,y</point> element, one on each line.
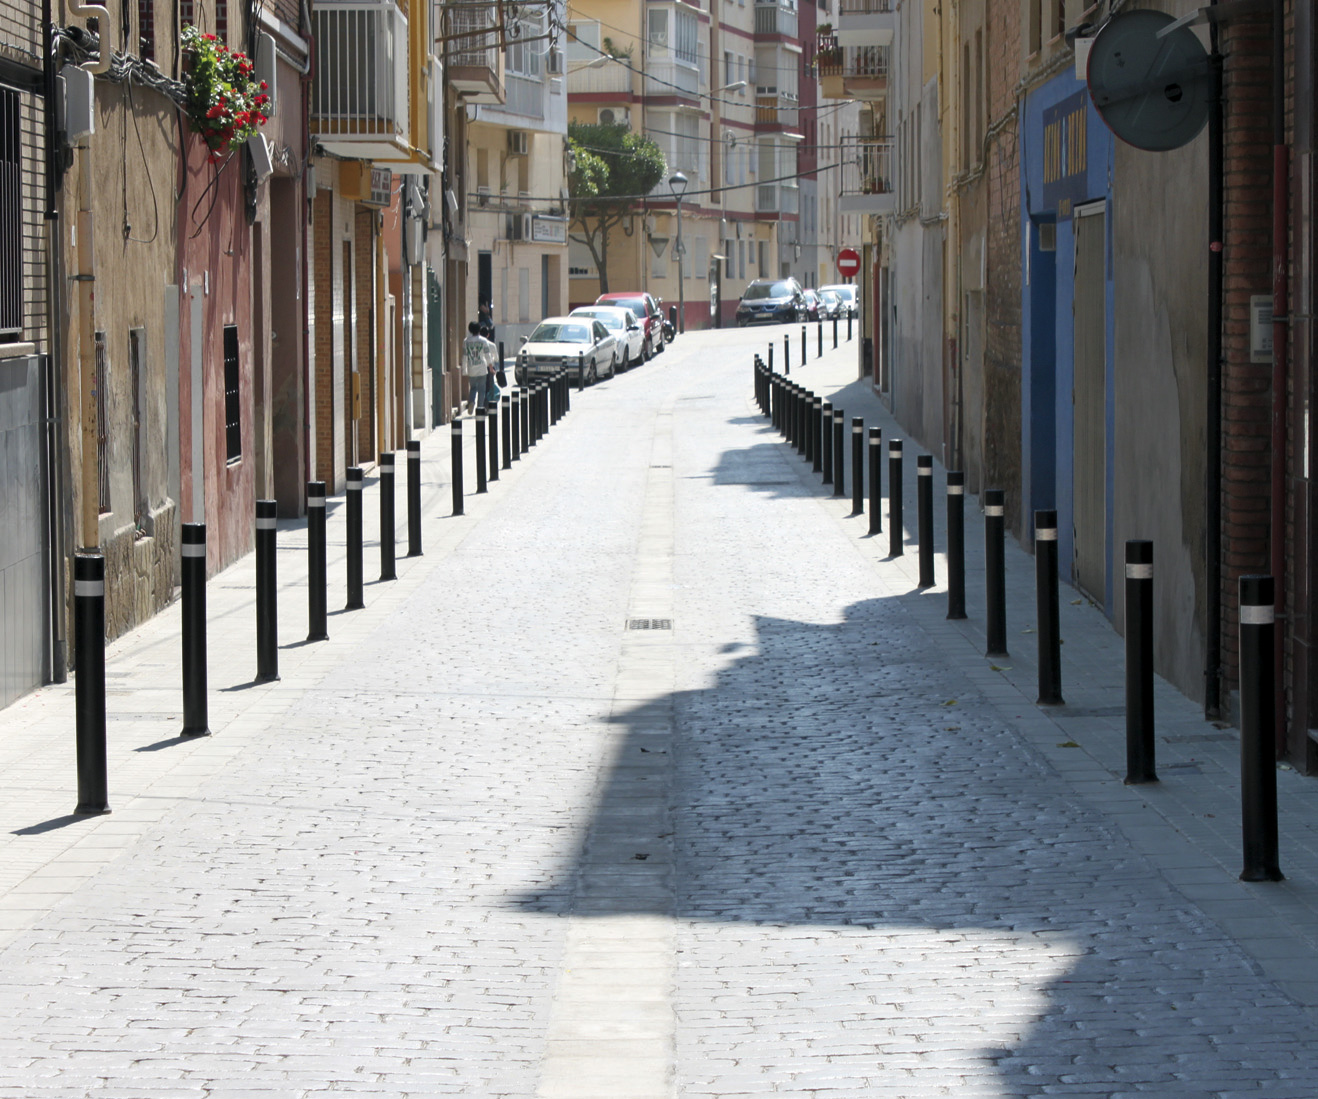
<point>855,835</point>
<point>52,825</point>
<point>760,467</point>
<point>305,641</point>
<point>170,742</point>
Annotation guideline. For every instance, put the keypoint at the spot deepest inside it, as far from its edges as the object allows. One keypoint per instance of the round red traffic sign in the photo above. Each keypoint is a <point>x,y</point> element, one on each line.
<point>848,263</point>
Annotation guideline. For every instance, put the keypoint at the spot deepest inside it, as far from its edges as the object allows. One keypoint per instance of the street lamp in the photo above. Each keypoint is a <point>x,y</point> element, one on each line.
<point>677,183</point>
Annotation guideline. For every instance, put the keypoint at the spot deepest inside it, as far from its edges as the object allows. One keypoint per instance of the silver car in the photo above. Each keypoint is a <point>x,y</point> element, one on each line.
<point>624,326</point>
<point>850,302</point>
<point>582,345</point>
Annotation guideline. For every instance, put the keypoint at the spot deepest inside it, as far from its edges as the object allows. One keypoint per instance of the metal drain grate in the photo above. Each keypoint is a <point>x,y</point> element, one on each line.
<point>649,623</point>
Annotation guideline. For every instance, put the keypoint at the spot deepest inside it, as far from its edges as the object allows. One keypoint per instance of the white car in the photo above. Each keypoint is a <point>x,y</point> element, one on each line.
<point>624,326</point>
<point>847,291</point>
<point>581,344</point>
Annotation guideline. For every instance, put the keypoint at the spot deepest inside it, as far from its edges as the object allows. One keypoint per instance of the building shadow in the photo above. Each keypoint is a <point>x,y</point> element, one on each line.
<point>842,778</point>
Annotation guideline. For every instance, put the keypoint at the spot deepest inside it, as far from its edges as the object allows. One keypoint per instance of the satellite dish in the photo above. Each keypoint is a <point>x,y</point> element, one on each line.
<point>1152,91</point>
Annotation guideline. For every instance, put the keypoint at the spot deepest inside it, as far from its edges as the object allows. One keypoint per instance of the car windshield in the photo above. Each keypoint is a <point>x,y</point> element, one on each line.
<point>609,320</point>
<point>758,290</point>
<point>829,295</point>
<point>557,332</point>
<point>636,305</point>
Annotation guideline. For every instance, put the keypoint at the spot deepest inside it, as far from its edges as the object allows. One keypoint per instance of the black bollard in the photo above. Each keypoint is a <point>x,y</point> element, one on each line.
<point>455,461</point>
<point>509,431</point>
<point>803,352</point>
<point>787,354</point>
<point>876,479</point>
<point>581,370</point>
<point>267,593</point>
<point>1048,619</point>
<point>354,523</point>
<point>672,317</point>
<point>956,544</point>
<point>821,340</point>
<point>1258,753</point>
<point>995,573</point>
<point>388,524</point>
<point>815,413</point>
<point>896,532</point>
<point>857,466</point>
<point>848,327</point>
<point>413,498</point>
<point>492,429</point>
<point>501,354</point>
<point>480,450</point>
<point>317,606</point>
<point>771,356</point>
<point>196,720</point>
<point>89,683</point>
<point>924,517</point>
<point>1139,663</point>
<point>835,333</point>
<point>524,401</point>
<point>567,396</point>
<point>826,440</point>
<point>839,452</point>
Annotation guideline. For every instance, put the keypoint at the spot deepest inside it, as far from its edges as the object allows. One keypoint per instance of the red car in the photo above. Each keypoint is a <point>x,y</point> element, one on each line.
<point>647,311</point>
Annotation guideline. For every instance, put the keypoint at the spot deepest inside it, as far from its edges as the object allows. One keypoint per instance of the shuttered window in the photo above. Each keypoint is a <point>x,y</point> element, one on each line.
<point>233,427</point>
<point>11,218</point>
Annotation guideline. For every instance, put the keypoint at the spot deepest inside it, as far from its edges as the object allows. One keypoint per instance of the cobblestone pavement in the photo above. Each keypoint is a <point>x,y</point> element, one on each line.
<point>800,839</point>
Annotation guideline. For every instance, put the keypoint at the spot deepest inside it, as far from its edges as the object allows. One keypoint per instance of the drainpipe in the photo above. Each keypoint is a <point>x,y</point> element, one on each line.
<point>309,197</point>
<point>1280,347</point>
<point>56,423</point>
<point>1213,416</point>
<point>85,260</point>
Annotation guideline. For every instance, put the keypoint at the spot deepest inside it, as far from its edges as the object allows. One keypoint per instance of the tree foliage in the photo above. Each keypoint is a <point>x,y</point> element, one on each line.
<point>614,169</point>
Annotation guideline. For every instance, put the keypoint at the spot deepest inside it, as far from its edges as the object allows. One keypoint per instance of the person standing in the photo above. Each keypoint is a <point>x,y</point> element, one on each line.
<point>486,318</point>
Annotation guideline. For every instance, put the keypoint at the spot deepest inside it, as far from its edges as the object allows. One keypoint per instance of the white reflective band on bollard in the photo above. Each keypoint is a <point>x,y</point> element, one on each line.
<point>956,490</point>
<point>89,587</point>
<point>1139,572</point>
<point>1257,616</point>
<point>993,509</point>
<point>1046,534</point>
<point>267,524</point>
<point>193,549</point>
<point>924,471</point>
<point>315,501</point>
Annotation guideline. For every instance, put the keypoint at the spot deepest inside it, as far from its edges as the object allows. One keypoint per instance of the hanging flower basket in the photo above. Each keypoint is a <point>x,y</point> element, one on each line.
<point>226,104</point>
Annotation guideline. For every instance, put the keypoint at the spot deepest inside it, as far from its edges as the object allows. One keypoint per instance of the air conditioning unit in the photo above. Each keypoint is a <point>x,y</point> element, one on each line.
<point>517,143</point>
<point>554,63</point>
<point>615,116</point>
<point>518,227</point>
<point>483,195</point>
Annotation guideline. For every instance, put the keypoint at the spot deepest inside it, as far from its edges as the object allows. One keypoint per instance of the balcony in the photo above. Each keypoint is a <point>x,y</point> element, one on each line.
<point>776,112</point>
<point>777,198</point>
<point>866,23</point>
<point>526,96</point>
<point>359,102</point>
<point>665,78</point>
<point>472,54</point>
<point>609,79</point>
<point>776,17</point>
<point>866,186</point>
<point>851,72</point>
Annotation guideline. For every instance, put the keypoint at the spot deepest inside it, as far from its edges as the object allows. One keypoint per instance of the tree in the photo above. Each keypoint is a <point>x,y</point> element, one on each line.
<point>614,169</point>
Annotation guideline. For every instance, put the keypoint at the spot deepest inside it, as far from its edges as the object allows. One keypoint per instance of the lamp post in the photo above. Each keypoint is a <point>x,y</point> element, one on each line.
<point>677,183</point>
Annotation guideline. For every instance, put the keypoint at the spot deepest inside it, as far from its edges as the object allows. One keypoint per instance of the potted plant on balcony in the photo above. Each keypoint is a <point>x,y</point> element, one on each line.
<point>226,104</point>
<point>824,30</point>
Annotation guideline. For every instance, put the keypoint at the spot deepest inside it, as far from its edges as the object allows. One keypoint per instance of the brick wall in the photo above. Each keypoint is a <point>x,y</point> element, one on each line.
<point>1247,254</point>
<point>363,332</point>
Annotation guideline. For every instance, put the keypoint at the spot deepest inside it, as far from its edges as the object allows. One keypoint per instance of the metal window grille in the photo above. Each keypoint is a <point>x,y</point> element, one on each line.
<point>102,430</point>
<point>11,217</point>
<point>233,427</point>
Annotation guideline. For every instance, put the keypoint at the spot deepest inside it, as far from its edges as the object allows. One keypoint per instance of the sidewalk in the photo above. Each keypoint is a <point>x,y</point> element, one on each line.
<point>1188,824</point>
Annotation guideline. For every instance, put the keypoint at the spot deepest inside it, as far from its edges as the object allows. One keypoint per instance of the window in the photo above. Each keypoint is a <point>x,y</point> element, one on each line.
<point>658,32</point>
<point>702,257</point>
<point>728,67</point>
<point>222,20</point>
<point>11,218</point>
<point>658,258</point>
<point>688,38</point>
<point>1034,26</point>
<point>146,29</point>
<point>583,41</point>
<point>233,428</point>
<point>763,265</point>
<point>523,57</point>
<point>580,263</point>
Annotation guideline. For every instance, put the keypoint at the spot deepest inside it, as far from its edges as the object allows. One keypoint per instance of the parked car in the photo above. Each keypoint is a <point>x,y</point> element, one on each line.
<point>812,307</point>
<point>850,302</point>
<point>624,325</point>
<point>831,304</point>
<point>582,344</point>
<point>648,311</point>
<point>771,301</point>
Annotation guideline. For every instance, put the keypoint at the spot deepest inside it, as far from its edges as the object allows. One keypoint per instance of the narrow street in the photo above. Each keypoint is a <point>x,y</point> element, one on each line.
<point>788,834</point>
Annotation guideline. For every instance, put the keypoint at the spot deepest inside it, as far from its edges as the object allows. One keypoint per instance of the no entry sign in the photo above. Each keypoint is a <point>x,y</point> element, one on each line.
<point>848,263</point>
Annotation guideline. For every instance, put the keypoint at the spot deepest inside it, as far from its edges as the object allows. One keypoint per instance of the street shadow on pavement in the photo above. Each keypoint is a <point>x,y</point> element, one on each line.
<point>855,835</point>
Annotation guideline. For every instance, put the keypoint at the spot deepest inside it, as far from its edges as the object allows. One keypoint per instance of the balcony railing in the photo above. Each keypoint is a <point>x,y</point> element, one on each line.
<point>526,96</point>
<point>472,54</point>
<point>775,17</point>
<point>359,96</point>
<point>866,165</point>
<point>867,66</point>
<point>777,112</point>
<point>610,79</point>
<point>670,77</point>
<point>777,198</point>
<point>864,7</point>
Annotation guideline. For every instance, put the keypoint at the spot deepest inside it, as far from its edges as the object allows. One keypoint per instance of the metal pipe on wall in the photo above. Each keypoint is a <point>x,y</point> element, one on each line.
<point>1280,365</point>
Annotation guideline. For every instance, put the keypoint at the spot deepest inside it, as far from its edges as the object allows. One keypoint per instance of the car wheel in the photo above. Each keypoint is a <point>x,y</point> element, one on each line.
<point>626,360</point>
<point>592,375</point>
<point>660,349</point>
